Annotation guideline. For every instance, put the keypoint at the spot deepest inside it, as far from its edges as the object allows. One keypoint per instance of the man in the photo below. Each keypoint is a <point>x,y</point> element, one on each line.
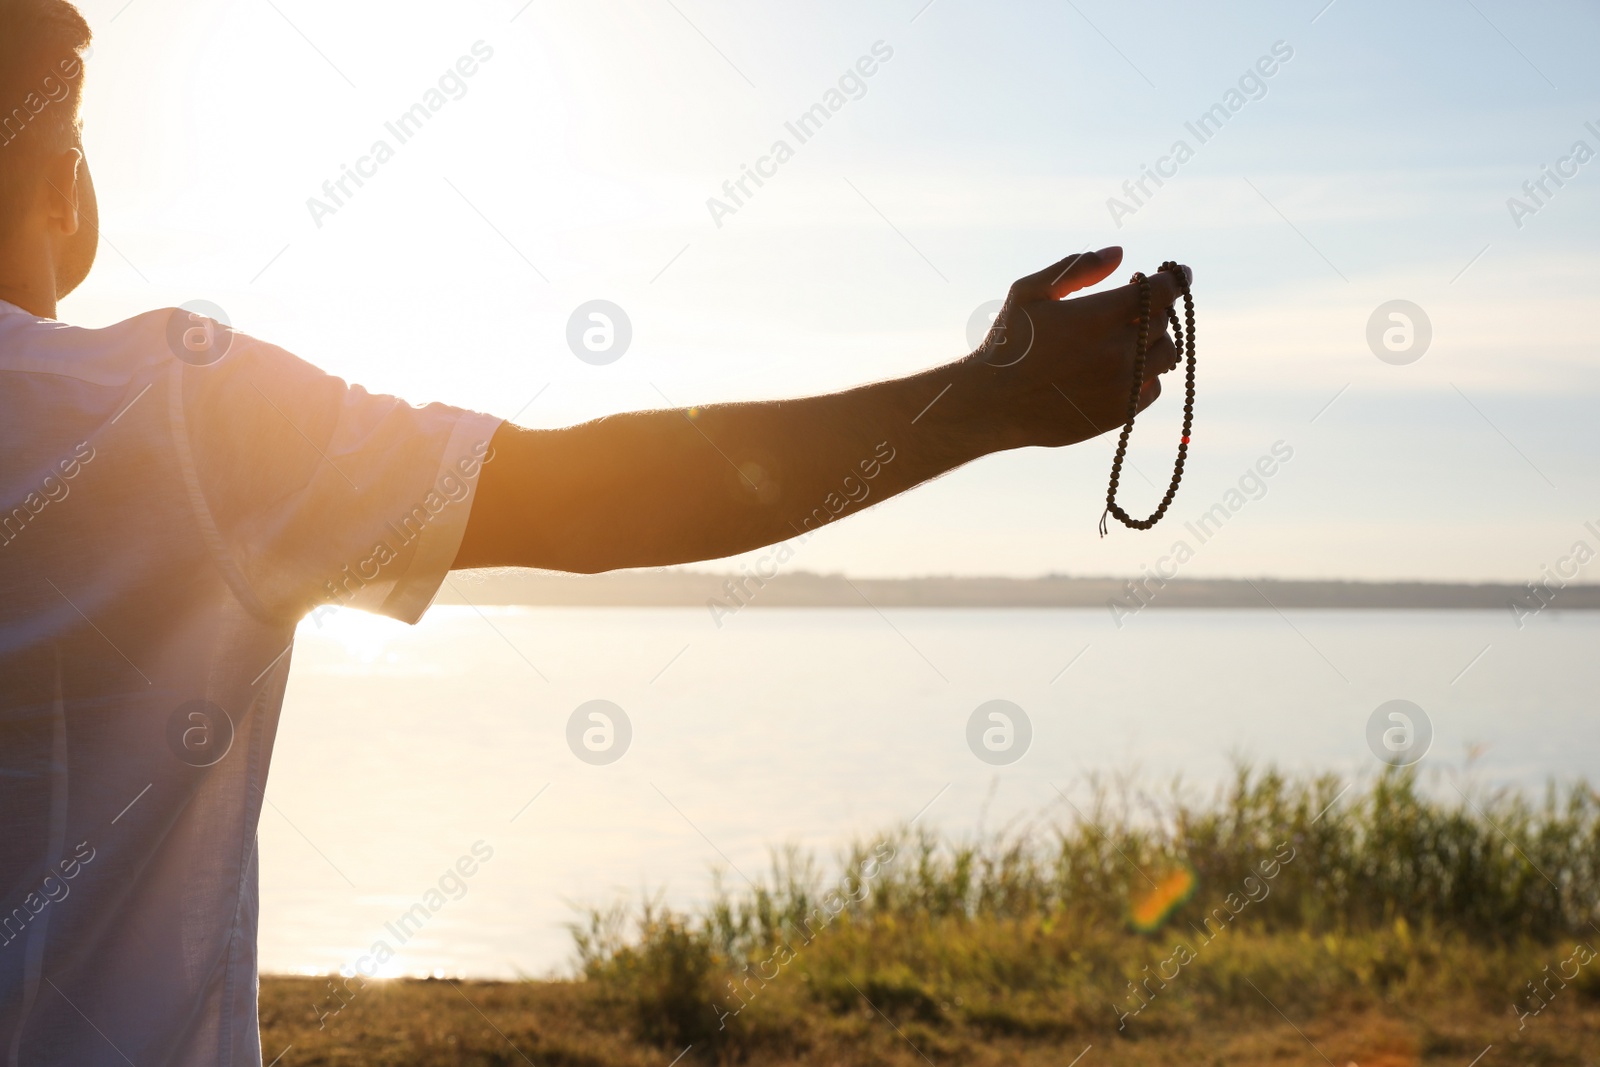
<point>175,496</point>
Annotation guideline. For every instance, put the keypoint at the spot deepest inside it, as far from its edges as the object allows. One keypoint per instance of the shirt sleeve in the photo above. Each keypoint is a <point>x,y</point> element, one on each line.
<point>311,491</point>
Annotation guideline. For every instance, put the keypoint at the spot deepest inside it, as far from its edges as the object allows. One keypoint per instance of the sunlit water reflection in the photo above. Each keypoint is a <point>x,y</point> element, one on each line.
<point>403,747</point>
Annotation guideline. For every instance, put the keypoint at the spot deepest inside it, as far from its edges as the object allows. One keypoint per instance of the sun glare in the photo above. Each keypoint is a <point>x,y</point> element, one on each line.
<point>362,637</point>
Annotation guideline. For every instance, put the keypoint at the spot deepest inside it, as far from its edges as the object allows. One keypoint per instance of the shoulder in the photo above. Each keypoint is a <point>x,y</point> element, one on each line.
<point>194,336</point>
<point>108,355</point>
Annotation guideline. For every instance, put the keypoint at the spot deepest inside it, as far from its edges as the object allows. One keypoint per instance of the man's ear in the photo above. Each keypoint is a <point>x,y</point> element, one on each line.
<point>60,192</point>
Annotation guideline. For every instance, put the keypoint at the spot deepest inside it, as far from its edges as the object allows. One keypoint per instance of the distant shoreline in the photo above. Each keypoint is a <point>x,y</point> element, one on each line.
<point>682,588</point>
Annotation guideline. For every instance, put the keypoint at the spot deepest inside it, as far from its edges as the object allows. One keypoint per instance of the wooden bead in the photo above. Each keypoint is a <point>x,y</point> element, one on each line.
<point>1183,343</point>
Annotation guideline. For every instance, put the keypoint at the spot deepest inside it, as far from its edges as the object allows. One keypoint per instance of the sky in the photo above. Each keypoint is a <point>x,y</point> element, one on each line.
<point>1376,163</point>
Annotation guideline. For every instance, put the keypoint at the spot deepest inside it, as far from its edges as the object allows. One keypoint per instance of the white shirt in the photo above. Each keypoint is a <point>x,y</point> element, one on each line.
<point>164,522</point>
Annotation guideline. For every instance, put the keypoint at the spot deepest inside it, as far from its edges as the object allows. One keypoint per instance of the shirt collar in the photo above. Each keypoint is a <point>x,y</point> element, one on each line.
<point>8,308</point>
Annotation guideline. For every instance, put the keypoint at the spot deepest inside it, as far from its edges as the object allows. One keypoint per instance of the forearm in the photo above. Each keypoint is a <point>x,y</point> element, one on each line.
<point>656,488</point>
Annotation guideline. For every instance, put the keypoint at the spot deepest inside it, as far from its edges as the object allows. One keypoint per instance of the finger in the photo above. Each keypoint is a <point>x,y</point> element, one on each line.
<point>1160,357</point>
<point>1149,392</point>
<point>1165,288</point>
<point>1080,272</point>
<point>1068,276</point>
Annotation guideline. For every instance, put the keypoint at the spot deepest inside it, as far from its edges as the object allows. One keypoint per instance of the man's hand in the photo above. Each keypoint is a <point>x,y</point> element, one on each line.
<point>656,488</point>
<point>1061,369</point>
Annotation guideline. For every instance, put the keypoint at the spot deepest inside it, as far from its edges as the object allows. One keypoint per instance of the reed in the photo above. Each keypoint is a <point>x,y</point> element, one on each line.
<point>1139,913</point>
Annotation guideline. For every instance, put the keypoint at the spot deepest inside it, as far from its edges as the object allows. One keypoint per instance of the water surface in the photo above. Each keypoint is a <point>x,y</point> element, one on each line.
<point>401,747</point>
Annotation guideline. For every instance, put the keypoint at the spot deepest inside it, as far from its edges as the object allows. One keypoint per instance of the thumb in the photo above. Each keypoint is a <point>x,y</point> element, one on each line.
<point>1068,276</point>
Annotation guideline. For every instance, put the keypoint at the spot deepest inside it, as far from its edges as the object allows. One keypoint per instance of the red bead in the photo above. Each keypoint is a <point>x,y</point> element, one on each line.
<point>1186,439</point>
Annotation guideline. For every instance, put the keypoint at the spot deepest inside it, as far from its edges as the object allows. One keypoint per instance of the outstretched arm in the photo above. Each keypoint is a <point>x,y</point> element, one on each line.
<point>654,488</point>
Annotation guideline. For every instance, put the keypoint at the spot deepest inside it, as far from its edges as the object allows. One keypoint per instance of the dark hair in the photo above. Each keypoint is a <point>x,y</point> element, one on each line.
<point>41,83</point>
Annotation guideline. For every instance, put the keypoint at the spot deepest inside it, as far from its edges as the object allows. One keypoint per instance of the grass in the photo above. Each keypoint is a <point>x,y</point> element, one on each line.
<point>1282,921</point>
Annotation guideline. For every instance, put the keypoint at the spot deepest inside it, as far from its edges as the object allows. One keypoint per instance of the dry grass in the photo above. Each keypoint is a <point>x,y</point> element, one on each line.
<point>415,1023</point>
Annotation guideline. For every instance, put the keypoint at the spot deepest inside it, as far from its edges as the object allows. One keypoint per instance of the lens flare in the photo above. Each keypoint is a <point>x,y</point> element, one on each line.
<point>1154,908</point>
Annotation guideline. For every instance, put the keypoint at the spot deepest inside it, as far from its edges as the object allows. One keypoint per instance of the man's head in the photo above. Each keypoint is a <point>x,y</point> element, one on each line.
<point>49,223</point>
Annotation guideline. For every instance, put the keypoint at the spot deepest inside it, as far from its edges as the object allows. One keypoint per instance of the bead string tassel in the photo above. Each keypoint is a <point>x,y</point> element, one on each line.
<point>1184,343</point>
